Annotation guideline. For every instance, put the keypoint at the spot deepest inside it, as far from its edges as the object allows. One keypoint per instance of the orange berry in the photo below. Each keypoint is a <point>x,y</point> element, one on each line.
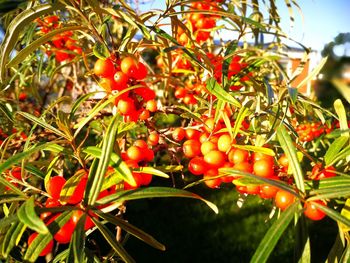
<point>151,105</point>
<point>215,158</point>
<point>208,146</point>
<point>191,148</point>
<point>135,153</point>
<point>104,68</point>
<point>224,142</point>
<point>178,134</point>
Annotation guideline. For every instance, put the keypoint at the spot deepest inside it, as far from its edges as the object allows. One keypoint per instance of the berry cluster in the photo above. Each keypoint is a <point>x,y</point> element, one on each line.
<point>62,45</point>
<point>187,93</point>
<point>310,131</point>
<point>200,23</point>
<point>135,104</point>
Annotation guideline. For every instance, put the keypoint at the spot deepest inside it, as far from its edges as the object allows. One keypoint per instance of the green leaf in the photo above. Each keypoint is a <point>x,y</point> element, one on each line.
<point>95,179</point>
<point>42,240</point>
<point>314,72</point>
<point>289,149</point>
<point>7,220</point>
<point>333,214</point>
<point>268,243</point>
<point>153,192</point>
<point>293,93</point>
<point>334,149</point>
<point>110,238</point>
<point>151,170</point>
<point>132,230</point>
<point>19,157</point>
<point>253,148</point>
<point>340,110</point>
<point>243,112</point>
<point>21,55</point>
<point>43,124</point>
<point>346,213</point>
<point>120,167</point>
<point>12,237</point>
<point>330,192</point>
<point>214,88</point>
<point>13,31</point>
<point>10,198</point>
<point>101,51</point>
<point>76,105</point>
<point>26,214</point>
<point>77,244</point>
<point>332,182</point>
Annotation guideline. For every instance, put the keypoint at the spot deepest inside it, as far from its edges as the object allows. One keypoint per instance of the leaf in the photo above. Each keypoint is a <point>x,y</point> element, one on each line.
<point>314,72</point>
<point>346,213</point>
<point>42,240</point>
<point>334,149</point>
<point>268,243</point>
<point>232,46</point>
<point>12,237</point>
<point>116,162</point>
<point>13,31</point>
<point>23,53</point>
<point>43,124</point>
<point>333,214</point>
<point>19,157</point>
<point>10,198</point>
<point>214,88</point>
<point>95,179</point>
<point>289,149</point>
<point>151,170</point>
<point>253,148</point>
<point>111,240</point>
<point>340,110</point>
<point>26,214</point>
<point>153,192</point>
<point>293,93</point>
<point>77,244</point>
<point>7,220</point>
<point>243,112</point>
<point>101,51</point>
<point>132,230</point>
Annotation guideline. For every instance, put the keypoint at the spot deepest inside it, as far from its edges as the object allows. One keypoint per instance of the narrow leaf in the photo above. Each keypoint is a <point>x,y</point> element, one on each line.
<point>289,149</point>
<point>12,237</point>
<point>214,88</point>
<point>153,192</point>
<point>268,243</point>
<point>334,149</point>
<point>77,244</point>
<point>132,230</point>
<point>333,214</point>
<point>110,238</point>
<point>27,215</point>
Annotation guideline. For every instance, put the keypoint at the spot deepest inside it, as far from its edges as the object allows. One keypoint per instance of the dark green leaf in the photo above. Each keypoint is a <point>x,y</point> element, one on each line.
<point>132,230</point>
<point>42,240</point>
<point>153,192</point>
<point>26,214</point>
<point>12,237</point>
<point>334,149</point>
<point>101,51</point>
<point>110,238</point>
<point>268,243</point>
<point>95,179</point>
<point>77,244</point>
<point>333,214</point>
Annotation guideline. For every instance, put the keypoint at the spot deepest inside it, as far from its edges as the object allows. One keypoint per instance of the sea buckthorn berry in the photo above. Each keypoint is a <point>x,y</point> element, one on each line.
<point>144,115</point>
<point>104,68</point>
<point>192,134</point>
<point>208,146</point>
<point>191,148</point>
<point>224,142</point>
<point>197,165</point>
<point>253,189</point>
<point>263,168</point>
<point>268,191</point>
<point>134,153</point>
<point>145,93</point>
<point>121,81</point>
<point>153,138</point>
<point>257,156</point>
<point>238,156</point>
<point>141,144</point>
<point>243,167</point>
<point>151,105</point>
<point>178,134</point>
<point>283,199</point>
<point>312,212</point>
<point>55,185</point>
<point>180,93</point>
<point>128,65</point>
<point>215,158</point>
<point>126,106</point>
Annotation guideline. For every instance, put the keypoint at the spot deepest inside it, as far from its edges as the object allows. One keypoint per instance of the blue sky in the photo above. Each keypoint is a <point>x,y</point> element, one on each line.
<point>320,22</point>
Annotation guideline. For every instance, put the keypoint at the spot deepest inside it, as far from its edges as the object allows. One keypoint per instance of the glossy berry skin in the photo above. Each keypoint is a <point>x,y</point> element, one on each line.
<point>178,134</point>
<point>55,185</point>
<point>268,191</point>
<point>312,212</point>
<point>76,216</point>
<point>236,156</point>
<point>46,250</point>
<point>135,153</point>
<point>120,81</point>
<point>197,166</point>
<point>263,168</point>
<point>284,199</point>
<point>63,235</point>
<point>104,68</point>
<point>215,158</point>
<point>191,148</point>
